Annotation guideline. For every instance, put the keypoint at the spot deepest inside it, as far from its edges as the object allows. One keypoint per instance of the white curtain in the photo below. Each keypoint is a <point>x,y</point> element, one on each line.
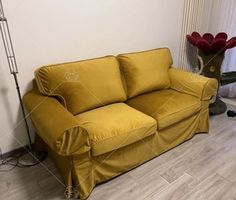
<point>230,56</point>
<point>212,16</point>
<point>229,65</point>
<point>221,15</point>
<point>192,19</point>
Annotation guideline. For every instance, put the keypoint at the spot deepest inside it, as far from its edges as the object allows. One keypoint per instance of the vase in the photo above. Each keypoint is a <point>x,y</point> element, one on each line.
<point>210,66</point>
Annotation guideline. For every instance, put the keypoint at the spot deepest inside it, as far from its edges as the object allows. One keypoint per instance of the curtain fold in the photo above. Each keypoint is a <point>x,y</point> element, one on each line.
<point>229,63</point>
<point>221,18</point>
<point>193,12</point>
<point>209,16</point>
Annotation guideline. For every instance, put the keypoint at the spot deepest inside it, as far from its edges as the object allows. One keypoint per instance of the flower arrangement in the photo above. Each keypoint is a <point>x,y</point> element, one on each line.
<point>211,52</point>
<point>208,43</point>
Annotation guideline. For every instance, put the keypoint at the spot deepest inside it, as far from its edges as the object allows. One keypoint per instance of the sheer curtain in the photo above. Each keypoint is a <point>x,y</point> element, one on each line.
<point>230,56</point>
<point>222,17</point>
<point>192,21</point>
<point>212,16</point>
<point>229,65</point>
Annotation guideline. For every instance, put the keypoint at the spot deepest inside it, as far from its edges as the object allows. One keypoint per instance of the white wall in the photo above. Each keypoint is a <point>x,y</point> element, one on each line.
<point>55,31</point>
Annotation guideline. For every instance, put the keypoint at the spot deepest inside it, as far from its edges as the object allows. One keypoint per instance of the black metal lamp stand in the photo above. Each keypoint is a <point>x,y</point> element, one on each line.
<point>8,46</point>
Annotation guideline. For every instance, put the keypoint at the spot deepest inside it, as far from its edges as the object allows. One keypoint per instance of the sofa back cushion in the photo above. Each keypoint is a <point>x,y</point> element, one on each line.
<point>146,71</point>
<point>83,85</point>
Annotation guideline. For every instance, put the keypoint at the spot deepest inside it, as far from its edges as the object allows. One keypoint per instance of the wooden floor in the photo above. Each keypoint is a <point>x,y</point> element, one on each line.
<point>203,168</point>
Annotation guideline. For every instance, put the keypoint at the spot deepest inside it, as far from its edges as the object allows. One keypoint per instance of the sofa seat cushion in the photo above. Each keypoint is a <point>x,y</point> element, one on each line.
<point>146,71</point>
<point>114,126</point>
<point>83,85</point>
<point>166,106</point>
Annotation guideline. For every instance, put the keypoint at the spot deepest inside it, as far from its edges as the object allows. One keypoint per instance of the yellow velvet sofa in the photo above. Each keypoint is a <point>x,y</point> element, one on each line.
<point>105,116</point>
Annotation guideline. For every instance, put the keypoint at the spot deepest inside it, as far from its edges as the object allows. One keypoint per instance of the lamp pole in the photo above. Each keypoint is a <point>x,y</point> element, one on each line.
<point>8,46</point>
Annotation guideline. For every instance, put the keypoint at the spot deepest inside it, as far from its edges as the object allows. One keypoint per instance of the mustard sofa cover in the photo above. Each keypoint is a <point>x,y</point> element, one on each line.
<point>166,106</point>
<point>83,85</point>
<point>74,143</point>
<point>114,126</point>
<point>146,71</point>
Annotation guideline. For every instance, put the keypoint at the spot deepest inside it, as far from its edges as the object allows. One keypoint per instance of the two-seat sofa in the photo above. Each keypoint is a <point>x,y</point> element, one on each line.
<point>105,116</point>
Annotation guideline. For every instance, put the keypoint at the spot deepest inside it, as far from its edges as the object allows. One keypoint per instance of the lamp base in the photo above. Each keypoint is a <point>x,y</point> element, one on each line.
<point>218,107</point>
<point>33,158</point>
<point>23,159</point>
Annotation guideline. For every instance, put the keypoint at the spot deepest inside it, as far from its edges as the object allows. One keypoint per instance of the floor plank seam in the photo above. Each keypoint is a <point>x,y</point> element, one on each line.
<point>167,187</point>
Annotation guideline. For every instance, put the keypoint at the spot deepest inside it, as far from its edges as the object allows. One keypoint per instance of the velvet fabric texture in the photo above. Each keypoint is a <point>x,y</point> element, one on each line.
<point>193,84</point>
<point>166,106</point>
<point>83,85</point>
<point>107,134</point>
<point>97,145</point>
<point>146,71</point>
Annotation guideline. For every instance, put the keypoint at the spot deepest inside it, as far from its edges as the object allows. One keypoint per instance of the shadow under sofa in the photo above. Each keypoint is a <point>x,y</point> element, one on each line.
<point>102,117</point>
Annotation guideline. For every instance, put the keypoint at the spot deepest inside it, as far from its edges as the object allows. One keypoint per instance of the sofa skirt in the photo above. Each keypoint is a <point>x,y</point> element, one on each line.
<point>81,173</point>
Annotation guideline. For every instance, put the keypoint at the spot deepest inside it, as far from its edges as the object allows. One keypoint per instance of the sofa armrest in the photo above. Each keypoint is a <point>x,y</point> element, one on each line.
<point>199,86</point>
<point>55,125</point>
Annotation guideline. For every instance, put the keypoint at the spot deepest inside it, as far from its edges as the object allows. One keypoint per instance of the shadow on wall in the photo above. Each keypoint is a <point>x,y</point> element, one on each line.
<point>4,90</point>
<point>14,122</point>
<point>191,52</point>
<point>19,132</point>
<point>5,100</point>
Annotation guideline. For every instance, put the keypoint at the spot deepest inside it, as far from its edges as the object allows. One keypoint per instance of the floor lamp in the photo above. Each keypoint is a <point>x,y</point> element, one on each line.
<point>8,46</point>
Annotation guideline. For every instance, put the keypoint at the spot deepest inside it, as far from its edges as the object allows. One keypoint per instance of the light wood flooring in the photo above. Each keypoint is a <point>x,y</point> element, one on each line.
<point>203,168</point>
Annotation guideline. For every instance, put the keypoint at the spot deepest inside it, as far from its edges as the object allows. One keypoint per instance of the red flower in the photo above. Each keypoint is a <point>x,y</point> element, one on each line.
<point>210,44</point>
